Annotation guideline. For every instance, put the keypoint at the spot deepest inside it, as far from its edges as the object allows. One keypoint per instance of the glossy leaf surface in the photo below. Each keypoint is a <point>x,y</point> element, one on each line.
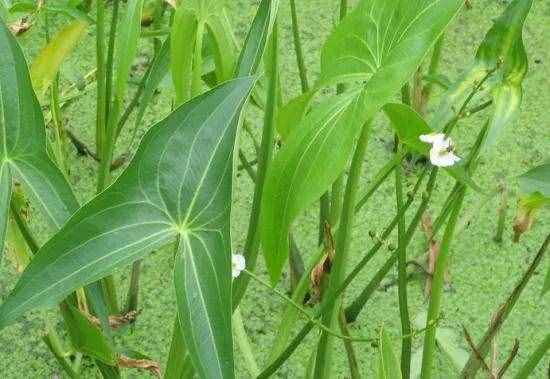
<point>178,186</point>
<point>23,148</point>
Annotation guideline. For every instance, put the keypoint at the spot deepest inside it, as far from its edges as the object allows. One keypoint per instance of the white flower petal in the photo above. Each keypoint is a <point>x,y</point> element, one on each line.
<point>443,158</point>
<point>432,137</point>
<point>238,263</point>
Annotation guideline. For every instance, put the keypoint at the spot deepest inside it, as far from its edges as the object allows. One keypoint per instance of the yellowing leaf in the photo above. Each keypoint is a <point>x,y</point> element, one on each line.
<point>49,60</point>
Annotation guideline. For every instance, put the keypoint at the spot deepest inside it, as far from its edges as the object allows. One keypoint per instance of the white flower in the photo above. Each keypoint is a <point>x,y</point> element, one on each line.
<point>238,264</point>
<point>442,151</point>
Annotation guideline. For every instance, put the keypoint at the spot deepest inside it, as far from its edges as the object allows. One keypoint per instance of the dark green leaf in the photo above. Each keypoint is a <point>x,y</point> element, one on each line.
<point>380,42</point>
<point>178,183</point>
<point>22,131</point>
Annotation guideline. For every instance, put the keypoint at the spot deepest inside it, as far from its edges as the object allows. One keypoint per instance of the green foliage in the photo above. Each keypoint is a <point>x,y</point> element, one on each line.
<point>24,155</point>
<point>317,151</point>
<point>503,52</point>
<point>177,186</point>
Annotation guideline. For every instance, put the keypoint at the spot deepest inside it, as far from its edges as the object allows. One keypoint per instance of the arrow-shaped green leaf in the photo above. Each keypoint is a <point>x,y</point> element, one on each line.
<point>23,142</point>
<point>178,186</point>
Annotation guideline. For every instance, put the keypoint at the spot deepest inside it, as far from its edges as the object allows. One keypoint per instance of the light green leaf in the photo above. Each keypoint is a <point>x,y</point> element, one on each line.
<point>409,126</point>
<point>389,40</point>
<point>290,115</point>
<point>159,70</point>
<point>223,46</point>
<point>86,337</point>
<point>127,44</point>
<point>388,365</point>
<point>22,132</point>
<point>501,51</point>
<point>182,45</point>
<point>48,61</point>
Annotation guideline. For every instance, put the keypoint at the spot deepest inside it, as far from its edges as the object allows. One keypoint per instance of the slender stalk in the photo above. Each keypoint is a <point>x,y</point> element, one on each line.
<point>433,67</point>
<point>252,244</point>
<point>133,291</point>
<point>357,305</point>
<point>402,277</point>
<point>101,99</point>
<point>504,310</point>
<point>196,83</point>
<point>302,71</point>
<point>108,142</point>
<point>379,178</point>
<point>286,353</point>
<point>244,344</point>
<point>534,359</point>
<point>350,351</point>
<point>437,288</point>
<point>343,240</point>
<point>109,69</point>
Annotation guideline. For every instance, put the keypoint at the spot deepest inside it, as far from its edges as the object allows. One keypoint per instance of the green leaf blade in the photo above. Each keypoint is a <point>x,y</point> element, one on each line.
<point>316,154</point>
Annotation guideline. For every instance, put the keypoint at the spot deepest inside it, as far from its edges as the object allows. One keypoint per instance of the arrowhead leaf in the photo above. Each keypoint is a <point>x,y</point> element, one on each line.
<point>179,183</point>
<point>23,152</point>
<point>381,42</point>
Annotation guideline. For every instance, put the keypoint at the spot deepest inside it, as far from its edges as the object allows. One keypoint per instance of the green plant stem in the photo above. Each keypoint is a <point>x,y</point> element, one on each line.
<point>133,290</point>
<point>379,178</point>
<point>252,243</point>
<point>534,359</point>
<point>437,288</point>
<point>290,314</point>
<point>244,344</point>
<point>196,83</point>
<point>107,142</point>
<point>101,98</point>
<point>312,319</point>
<point>343,240</point>
<point>348,345</point>
<point>504,310</point>
<point>433,67</point>
<point>402,277</point>
<point>109,69</point>
<point>51,339</point>
<point>286,353</point>
<point>353,310</point>
<point>302,71</point>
